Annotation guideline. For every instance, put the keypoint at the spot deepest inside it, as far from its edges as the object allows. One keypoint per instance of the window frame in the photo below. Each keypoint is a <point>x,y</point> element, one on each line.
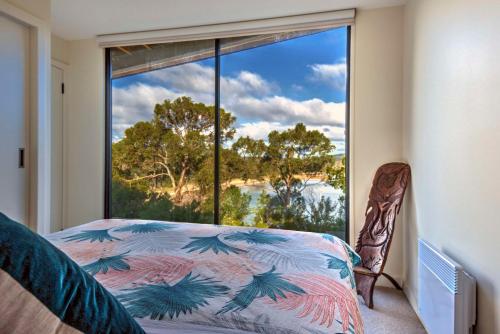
<point>109,119</point>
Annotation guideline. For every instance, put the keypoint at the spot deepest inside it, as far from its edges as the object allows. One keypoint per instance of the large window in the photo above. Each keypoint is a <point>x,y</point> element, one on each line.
<point>247,131</point>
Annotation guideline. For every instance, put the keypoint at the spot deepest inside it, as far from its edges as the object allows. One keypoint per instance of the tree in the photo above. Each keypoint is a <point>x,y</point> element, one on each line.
<point>325,216</point>
<point>296,152</point>
<point>188,136</point>
<point>161,208</point>
<point>262,214</point>
<point>247,158</point>
<point>173,146</point>
<point>133,157</point>
<point>130,202</point>
<point>235,206</point>
<point>336,178</point>
<point>336,175</point>
<point>126,202</point>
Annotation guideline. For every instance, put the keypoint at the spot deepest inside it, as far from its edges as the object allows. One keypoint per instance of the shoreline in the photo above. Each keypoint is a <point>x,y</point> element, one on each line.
<point>250,182</point>
<point>257,182</point>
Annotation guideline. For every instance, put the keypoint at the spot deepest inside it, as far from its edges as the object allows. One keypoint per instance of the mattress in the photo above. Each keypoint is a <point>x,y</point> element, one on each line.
<point>194,278</point>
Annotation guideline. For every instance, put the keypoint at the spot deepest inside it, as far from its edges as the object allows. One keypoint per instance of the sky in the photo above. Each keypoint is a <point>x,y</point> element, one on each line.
<point>267,88</point>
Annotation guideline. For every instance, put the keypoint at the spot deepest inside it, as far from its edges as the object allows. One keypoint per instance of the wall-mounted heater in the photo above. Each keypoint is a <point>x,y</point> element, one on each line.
<point>446,293</point>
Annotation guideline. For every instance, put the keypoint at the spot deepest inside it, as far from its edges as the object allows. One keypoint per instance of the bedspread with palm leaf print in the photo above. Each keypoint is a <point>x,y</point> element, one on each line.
<point>246,279</point>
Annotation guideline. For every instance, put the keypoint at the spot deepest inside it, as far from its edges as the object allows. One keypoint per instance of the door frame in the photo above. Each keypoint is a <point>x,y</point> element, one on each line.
<point>64,68</point>
<point>39,116</point>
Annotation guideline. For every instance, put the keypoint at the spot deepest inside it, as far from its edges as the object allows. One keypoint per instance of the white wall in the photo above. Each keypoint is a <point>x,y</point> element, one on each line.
<point>59,49</point>
<point>377,112</point>
<point>84,134</point>
<point>452,137</point>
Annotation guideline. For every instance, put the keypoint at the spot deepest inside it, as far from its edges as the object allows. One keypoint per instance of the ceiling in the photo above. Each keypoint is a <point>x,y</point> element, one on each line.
<point>80,19</point>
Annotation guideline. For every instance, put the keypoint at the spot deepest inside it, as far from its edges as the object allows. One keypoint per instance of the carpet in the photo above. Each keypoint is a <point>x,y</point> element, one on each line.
<point>391,313</point>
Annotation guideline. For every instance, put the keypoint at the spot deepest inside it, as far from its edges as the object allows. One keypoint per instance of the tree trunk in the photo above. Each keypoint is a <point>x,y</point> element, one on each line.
<point>288,193</point>
<point>164,163</point>
<point>180,184</point>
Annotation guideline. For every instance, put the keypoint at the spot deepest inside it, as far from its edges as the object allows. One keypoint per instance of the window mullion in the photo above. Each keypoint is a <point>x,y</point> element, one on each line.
<point>217,134</point>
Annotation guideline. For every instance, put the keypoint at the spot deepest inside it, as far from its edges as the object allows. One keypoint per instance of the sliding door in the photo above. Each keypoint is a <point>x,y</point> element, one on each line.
<point>278,102</point>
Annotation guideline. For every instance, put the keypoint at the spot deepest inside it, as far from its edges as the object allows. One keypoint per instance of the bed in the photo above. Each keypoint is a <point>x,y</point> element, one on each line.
<point>192,278</point>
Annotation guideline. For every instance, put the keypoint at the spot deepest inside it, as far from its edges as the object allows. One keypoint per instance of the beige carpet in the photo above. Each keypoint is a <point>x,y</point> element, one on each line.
<point>391,314</point>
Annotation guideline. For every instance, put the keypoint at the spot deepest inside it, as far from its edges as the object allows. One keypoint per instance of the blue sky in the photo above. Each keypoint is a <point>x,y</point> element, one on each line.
<point>267,88</point>
<point>287,63</point>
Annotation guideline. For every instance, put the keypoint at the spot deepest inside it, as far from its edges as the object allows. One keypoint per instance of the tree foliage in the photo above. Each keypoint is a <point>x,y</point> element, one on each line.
<point>247,158</point>
<point>295,152</point>
<point>336,175</point>
<point>234,207</point>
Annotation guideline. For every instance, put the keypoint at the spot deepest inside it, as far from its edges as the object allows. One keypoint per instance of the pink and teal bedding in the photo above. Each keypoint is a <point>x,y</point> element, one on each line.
<point>43,291</point>
<point>221,277</point>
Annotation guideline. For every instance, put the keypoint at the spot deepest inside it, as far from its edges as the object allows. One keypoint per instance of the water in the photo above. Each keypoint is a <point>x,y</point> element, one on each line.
<point>314,190</point>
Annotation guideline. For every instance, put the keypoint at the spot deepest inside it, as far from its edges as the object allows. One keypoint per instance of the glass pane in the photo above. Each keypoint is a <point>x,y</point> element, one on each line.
<point>163,132</point>
<point>144,58</point>
<point>282,160</point>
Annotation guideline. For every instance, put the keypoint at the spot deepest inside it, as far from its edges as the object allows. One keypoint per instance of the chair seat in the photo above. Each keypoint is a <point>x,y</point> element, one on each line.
<point>364,271</point>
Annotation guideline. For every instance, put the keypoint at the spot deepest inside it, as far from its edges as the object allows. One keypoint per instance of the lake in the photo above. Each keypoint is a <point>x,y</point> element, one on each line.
<point>313,191</point>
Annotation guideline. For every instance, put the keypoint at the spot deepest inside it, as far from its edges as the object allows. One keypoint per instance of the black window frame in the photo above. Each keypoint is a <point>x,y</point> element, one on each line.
<point>109,120</point>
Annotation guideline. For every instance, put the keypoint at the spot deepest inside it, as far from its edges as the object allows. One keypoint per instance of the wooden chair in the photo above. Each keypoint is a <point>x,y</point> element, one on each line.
<point>374,241</point>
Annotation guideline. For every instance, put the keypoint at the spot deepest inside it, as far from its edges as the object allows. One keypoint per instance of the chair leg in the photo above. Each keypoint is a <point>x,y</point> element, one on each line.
<point>393,281</point>
<point>365,285</point>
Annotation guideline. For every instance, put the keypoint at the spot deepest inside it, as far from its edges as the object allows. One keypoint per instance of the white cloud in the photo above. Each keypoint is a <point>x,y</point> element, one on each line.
<point>287,111</point>
<point>191,78</point>
<point>247,95</point>
<point>260,130</point>
<point>194,78</point>
<point>136,103</point>
<point>332,74</point>
<point>248,83</point>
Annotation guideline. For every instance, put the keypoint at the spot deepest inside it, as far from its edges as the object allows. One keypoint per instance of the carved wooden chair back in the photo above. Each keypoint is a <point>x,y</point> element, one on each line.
<point>384,203</point>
